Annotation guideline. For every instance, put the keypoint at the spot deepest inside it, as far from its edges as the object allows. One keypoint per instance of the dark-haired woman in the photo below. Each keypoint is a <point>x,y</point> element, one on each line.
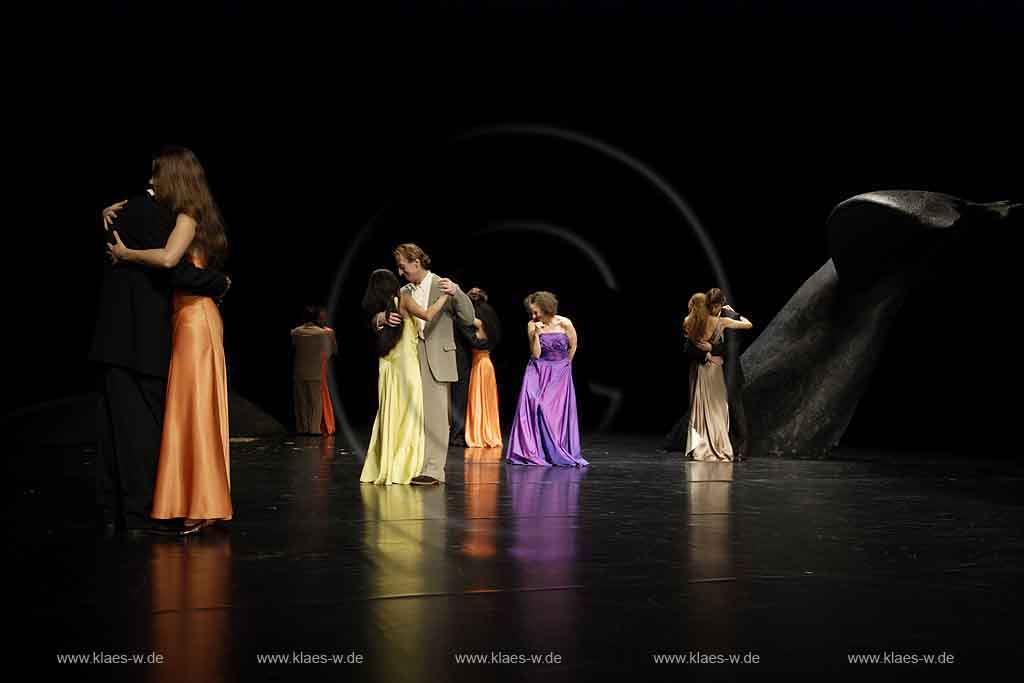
<point>396,449</point>
<point>193,480</point>
<point>483,422</point>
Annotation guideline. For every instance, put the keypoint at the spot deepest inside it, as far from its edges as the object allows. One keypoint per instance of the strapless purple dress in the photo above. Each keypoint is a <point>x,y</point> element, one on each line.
<point>546,431</point>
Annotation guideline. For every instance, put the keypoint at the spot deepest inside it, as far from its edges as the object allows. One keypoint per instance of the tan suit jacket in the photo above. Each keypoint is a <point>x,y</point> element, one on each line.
<point>439,333</point>
<point>311,344</point>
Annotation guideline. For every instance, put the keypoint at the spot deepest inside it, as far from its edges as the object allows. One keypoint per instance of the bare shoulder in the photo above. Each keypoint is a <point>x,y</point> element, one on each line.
<point>185,220</point>
<point>565,322</point>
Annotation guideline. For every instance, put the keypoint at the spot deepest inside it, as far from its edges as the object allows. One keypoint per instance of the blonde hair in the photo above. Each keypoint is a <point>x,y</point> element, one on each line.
<point>410,252</point>
<point>696,322</point>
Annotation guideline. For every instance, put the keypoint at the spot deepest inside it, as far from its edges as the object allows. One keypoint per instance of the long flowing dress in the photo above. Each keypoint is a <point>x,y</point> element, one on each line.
<point>193,477</point>
<point>397,443</point>
<point>483,423</point>
<point>708,435</point>
<point>546,430</point>
<point>327,417</point>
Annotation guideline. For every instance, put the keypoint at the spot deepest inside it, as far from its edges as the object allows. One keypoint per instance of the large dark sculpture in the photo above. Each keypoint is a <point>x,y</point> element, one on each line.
<point>807,371</point>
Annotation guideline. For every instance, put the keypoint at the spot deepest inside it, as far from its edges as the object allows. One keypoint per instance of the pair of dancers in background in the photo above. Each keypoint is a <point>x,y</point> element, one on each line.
<point>715,405</point>
<point>416,349</point>
<point>475,421</point>
<point>314,343</point>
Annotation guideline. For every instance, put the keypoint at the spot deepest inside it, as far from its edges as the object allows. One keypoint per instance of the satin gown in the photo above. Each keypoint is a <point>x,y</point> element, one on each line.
<point>546,430</point>
<point>193,478</point>
<point>708,435</point>
<point>397,444</point>
<point>483,423</point>
<point>327,420</point>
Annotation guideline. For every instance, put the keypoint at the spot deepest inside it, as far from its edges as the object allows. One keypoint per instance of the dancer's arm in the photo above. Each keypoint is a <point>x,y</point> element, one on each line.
<point>109,214</point>
<point>461,303</point>
<point>164,257</point>
<point>332,342</point>
<point>463,307</point>
<point>570,332</point>
<point>409,305</point>
<point>696,351</point>
<point>731,324</point>
<point>533,334</point>
<point>204,282</point>
<point>476,336</point>
<point>383,318</point>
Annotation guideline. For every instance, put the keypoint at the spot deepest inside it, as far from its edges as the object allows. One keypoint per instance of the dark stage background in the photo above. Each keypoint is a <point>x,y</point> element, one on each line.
<point>314,127</point>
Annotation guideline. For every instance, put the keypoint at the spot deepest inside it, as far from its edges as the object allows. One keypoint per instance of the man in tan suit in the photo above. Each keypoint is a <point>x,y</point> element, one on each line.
<point>436,351</point>
<point>312,344</point>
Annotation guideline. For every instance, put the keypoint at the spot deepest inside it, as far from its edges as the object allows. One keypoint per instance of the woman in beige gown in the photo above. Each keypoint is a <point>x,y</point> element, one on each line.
<point>708,436</point>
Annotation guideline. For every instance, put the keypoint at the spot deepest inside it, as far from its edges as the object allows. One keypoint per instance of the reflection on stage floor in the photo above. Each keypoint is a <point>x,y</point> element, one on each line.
<point>800,564</point>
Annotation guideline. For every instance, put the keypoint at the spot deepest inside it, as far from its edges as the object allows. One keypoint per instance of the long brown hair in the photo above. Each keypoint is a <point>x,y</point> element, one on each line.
<point>179,182</point>
<point>696,322</point>
<point>380,295</point>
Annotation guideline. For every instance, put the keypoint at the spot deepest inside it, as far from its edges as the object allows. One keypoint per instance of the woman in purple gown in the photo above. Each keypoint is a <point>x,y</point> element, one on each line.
<point>546,431</point>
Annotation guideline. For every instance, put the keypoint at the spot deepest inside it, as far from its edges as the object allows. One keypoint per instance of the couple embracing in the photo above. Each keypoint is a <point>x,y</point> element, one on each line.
<point>417,365</point>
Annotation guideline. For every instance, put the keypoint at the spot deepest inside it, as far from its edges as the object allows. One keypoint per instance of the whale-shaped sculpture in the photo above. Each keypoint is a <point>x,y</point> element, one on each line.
<point>807,371</point>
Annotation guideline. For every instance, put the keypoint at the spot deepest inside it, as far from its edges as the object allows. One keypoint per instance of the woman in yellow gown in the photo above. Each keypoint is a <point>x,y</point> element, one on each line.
<point>397,443</point>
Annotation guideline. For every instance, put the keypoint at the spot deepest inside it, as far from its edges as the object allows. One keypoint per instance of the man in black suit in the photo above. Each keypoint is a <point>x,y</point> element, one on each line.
<point>464,340</point>
<point>725,352</point>
<point>132,345</point>
<point>728,351</point>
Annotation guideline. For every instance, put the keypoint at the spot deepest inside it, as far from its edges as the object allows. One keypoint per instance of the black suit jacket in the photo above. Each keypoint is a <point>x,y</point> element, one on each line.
<point>133,321</point>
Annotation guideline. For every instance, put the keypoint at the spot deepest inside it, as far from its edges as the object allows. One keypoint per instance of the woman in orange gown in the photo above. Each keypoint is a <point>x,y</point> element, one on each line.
<point>483,423</point>
<point>327,421</point>
<point>193,481</point>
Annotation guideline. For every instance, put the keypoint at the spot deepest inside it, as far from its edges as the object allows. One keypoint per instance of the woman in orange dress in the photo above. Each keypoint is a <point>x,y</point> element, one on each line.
<point>327,420</point>
<point>483,423</point>
<point>193,481</point>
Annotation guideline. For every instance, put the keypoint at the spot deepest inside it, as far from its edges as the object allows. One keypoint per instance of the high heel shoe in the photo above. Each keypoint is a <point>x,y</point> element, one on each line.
<point>189,530</point>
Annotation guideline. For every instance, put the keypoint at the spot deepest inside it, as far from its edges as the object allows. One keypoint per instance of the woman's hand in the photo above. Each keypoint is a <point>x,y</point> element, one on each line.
<point>703,345</point>
<point>715,360</point>
<point>117,252</point>
<point>384,318</point>
<point>109,214</point>
<point>447,286</point>
<point>227,287</point>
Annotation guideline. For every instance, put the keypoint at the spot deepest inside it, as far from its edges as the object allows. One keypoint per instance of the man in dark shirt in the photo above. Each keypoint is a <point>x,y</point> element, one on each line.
<point>726,352</point>
<point>132,346</point>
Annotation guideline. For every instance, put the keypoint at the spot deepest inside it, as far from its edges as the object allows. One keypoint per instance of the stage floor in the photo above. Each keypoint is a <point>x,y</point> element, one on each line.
<point>540,573</point>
